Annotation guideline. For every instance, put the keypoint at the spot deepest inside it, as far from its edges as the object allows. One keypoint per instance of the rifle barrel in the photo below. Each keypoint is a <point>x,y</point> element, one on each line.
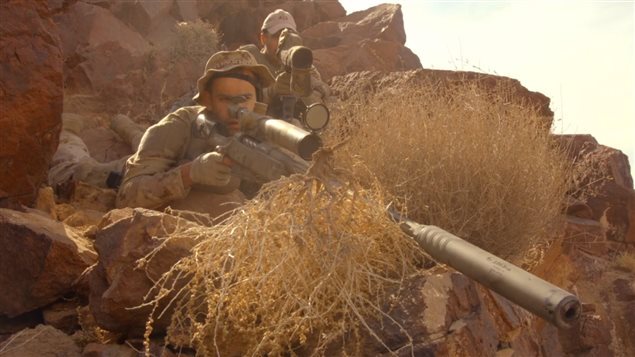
<point>532,293</point>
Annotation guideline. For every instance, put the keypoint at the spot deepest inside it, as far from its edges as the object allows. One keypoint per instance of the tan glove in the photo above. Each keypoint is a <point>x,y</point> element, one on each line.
<point>209,169</point>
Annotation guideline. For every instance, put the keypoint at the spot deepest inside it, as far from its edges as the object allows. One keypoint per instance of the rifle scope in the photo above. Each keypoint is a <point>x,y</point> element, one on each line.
<point>277,131</point>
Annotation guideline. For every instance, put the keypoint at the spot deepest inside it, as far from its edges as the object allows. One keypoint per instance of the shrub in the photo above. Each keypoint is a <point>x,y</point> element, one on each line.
<point>459,157</point>
<point>196,41</point>
<point>298,267</point>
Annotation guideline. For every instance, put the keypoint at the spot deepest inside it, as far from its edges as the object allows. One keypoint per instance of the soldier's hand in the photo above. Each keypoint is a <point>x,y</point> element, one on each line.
<point>209,169</point>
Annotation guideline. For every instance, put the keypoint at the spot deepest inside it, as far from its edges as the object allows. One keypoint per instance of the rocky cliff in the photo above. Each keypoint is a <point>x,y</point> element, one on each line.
<point>67,262</point>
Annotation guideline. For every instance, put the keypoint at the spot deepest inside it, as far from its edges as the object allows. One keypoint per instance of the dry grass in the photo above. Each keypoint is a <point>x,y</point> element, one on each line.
<point>299,267</point>
<point>626,261</point>
<point>461,158</point>
<point>306,264</point>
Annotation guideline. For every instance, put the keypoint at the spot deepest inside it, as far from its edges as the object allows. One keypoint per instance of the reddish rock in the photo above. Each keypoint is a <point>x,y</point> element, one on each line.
<point>605,184</point>
<point>585,234</point>
<point>143,15</point>
<point>185,10</point>
<point>62,315</point>
<point>443,313</point>
<point>40,261</point>
<point>373,55</point>
<point>624,289</point>
<point>382,22</point>
<point>108,350</point>
<point>370,40</point>
<point>117,284</point>
<point>98,47</point>
<point>590,337</point>
<point>30,97</point>
<point>345,86</point>
<point>27,320</point>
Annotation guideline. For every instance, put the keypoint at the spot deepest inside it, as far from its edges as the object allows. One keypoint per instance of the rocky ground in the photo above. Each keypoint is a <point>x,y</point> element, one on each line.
<point>67,260</point>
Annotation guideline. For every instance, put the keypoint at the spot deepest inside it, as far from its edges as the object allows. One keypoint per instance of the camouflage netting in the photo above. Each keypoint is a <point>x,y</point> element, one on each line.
<point>298,268</point>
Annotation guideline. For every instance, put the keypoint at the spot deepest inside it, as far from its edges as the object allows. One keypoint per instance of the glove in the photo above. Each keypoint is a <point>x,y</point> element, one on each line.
<point>209,169</point>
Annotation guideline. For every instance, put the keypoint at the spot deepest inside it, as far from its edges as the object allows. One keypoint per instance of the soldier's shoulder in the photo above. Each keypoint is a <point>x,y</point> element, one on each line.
<point>255,51</point>
<point>251,48</point>
<point>185,114</point>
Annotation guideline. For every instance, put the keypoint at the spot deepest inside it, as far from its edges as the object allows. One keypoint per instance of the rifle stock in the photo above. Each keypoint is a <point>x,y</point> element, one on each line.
<point>268,156</point>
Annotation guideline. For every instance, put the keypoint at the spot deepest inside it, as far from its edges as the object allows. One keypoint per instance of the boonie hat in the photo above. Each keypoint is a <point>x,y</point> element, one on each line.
<point>223,61</point>
<point>278,20</point>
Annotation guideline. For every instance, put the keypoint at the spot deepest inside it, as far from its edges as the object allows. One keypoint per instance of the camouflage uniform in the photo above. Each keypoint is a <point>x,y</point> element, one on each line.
<point>153,179</point>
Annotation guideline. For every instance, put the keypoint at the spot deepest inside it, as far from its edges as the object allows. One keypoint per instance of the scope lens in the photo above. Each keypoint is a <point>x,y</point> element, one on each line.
<point>316,117</point>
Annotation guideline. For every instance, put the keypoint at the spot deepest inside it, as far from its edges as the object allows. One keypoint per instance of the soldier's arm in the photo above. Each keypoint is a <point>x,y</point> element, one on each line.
<point>152,177</point>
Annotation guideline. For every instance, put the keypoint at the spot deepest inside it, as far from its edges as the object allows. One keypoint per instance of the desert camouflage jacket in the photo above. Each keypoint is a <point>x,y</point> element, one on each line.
<point>152,177</point>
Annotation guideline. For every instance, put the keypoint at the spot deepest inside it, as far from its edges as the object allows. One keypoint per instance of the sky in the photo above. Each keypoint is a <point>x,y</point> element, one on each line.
<point>581,54</point>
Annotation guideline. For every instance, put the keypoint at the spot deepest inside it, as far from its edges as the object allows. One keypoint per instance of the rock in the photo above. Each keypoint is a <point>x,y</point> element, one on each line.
<point>41,260</point>
<point>370,40</point>
<point>624,289</point>
<point>186,10</point>
<point>143,15</point>
<point>446,314</point>
<point>591,337</point>
<point>62,315</point>
<point>381,22</point>
<point>30,97</point>
<point>117,284</point>
<point>98,47</point>
<point>21,322</point>
<point>108,350</point>
<point>45,201</point>
<point>604,184</point>
<point>585,234</point>
<point>374,55</point>
<point>40,341</point>
<point>93,198</point>
<point>85,26</point>
<point>351,84</point>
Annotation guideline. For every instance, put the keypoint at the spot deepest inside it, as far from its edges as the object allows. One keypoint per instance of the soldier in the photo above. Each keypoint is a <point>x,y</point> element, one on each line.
<point>283,54</point>
<point>173,165</point>
<point>72,161</point>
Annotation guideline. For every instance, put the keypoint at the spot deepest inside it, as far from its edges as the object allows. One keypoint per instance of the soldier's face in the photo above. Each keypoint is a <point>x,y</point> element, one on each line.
<point>270,42</point>
<point>226,91</point>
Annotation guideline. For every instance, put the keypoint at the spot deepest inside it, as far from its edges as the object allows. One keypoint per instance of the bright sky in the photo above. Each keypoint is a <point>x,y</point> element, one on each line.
<point>580,54</point>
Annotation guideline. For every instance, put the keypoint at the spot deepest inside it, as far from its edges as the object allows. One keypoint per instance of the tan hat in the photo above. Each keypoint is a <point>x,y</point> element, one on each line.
<point>223,61</point>
<point>277,21</point>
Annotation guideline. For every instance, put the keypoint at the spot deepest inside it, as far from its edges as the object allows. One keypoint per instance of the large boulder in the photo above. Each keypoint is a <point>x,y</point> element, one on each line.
<point>118,284</point>
<point>604,184</point>
<point>382,22</point>
<point>41,260</point>
<point>97,46</point>
<point>30,97</point>
<point>443,313</point>
<point>365,40</point>
<point>346,86</point>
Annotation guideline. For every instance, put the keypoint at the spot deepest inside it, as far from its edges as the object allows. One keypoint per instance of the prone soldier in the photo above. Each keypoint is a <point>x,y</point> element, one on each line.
<point>175,165</point>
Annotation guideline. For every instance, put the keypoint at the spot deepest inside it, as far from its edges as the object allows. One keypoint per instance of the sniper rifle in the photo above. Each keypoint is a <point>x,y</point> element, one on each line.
<point>268,148</point>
